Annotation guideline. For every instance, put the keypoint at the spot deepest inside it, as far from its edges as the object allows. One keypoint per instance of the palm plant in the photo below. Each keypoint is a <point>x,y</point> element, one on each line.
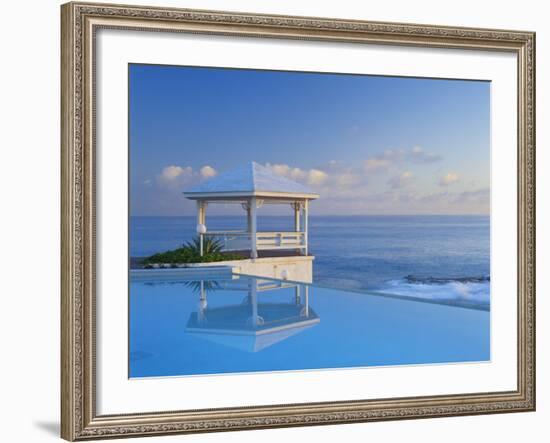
<point>209,246</point>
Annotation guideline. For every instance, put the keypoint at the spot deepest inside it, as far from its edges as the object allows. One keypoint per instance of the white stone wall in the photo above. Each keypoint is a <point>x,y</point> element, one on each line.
<point>298,268</point>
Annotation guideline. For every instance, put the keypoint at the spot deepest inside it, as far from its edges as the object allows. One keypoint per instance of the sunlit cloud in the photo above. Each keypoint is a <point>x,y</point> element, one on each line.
<point>208,171</point>
<point>172,172</point>
<point>393,157</point>
<point>349,189</point>
<point>313,177</point>
<point>176,177</point>
<point>448,179</point>
<point>317,177</point>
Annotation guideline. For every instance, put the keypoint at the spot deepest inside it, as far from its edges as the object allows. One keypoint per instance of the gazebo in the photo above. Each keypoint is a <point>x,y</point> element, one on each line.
<point>253,325</point>
<point>253,186</point>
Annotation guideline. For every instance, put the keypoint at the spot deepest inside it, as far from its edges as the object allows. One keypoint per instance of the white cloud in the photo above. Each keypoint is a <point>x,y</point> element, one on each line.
<point>208,171</point>
<point>317,177</point>
<point>392,157</point>
<point>174,176</point>
<point>298,174</point>
<point>172,172</point>
<point>376,164</point>
<point>329,178</point>
<point>180,177</point>
<point>347,180</point>
<point>312,176</point>
<point>280,169</point>
<point>347,189</point>
<point>448,179</point>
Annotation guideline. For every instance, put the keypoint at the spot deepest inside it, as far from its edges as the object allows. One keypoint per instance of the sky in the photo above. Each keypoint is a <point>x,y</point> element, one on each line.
<point>366,144</point>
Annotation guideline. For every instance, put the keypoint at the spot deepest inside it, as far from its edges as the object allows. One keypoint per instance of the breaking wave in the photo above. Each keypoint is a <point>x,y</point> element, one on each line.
<point>471,292</point>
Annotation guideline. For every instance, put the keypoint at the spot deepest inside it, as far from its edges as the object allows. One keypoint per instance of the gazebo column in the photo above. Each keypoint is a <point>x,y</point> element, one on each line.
<point>297,207</point>
<point>201,220</point>
<point>253,227</point>
<point>202,302</point>
<point>201,212</point>
<point>305,227</point>
<point>248,217</point>
<point>254,301</point>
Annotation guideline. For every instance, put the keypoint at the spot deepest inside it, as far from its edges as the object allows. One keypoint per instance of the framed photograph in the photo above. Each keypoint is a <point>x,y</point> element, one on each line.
<point>283,221</point>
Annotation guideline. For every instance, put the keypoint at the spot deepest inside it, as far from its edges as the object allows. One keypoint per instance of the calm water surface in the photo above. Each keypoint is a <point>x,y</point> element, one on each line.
<point>229,325</point>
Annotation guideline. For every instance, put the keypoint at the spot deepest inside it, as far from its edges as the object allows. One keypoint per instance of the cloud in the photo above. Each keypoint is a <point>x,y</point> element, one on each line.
<point>376,164</point>
<point>418,155</point>
<point>401,180</point>
<point>172,172</point>
<point>285,170</point>
<point>312,177</point>
<point>208,171</point>
<point>317,177</point>
<point>333,179</point>
<point>477,196</point>
<point>180,177</point>
<point>448,179</point>
<point>173,175</point>
<point>279,169</point>
<point>392,157</point>
<point>347,180</point>
<point>383,161</point>
<point>338,179</point>
<point>344,189</point>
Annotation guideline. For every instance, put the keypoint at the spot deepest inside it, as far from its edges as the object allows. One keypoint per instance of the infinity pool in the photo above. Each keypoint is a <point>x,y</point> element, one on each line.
<point>229,324</point>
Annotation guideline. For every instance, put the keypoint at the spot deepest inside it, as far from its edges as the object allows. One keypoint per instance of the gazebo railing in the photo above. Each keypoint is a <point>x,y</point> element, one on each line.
<point>280,240</point>
<point>231,240</point>
<point>242,240</point>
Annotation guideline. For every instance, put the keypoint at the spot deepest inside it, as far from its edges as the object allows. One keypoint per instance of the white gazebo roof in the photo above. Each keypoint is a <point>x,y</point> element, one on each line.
<point>250,180</point>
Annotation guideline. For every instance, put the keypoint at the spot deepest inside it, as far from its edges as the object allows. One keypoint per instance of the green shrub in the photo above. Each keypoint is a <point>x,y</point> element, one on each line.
<point>190,253</point>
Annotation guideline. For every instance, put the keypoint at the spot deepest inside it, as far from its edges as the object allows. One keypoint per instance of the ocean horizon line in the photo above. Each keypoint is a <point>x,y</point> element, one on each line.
<point>324,215</point>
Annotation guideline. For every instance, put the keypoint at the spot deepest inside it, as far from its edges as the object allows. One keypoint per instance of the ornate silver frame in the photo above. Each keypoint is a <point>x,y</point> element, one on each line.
<point>80,21</point>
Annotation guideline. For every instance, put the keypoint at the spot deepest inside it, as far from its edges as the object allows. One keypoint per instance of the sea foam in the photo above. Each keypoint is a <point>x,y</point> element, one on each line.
<point>465,291</point>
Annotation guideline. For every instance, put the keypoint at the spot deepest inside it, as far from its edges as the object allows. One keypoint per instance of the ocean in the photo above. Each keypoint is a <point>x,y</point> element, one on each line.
<point>445,259</point>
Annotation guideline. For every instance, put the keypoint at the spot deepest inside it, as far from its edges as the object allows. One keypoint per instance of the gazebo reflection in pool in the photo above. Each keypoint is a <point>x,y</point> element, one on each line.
<point>258,321</point>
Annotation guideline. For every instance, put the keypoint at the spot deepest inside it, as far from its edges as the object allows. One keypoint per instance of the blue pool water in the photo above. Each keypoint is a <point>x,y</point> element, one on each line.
<point>439,258</point>
<point>231,324</point>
